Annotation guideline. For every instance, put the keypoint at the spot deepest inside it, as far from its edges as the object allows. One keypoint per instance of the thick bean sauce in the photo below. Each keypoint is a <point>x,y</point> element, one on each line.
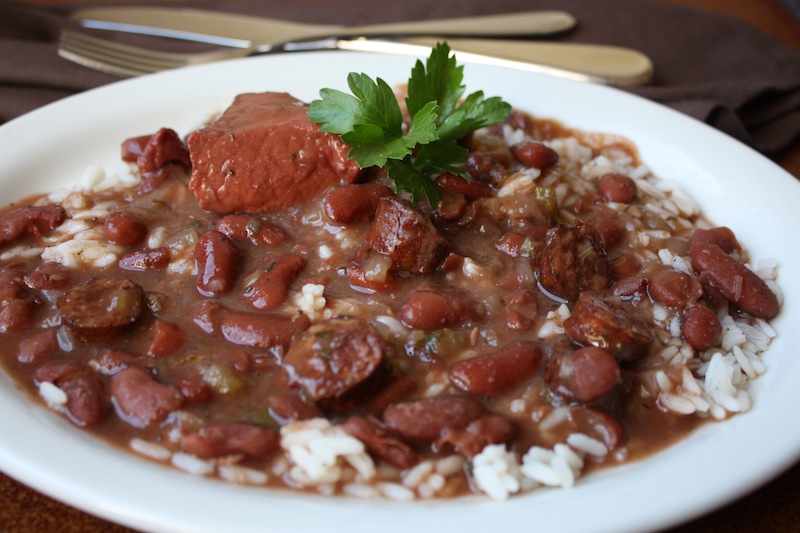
<point>560,291</point>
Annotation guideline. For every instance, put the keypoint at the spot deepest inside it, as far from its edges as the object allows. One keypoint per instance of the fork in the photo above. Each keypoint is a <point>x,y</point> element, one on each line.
<point>592,63</point>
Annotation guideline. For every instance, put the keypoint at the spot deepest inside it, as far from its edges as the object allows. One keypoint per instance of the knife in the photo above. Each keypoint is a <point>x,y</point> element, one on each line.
<point>263,34</point>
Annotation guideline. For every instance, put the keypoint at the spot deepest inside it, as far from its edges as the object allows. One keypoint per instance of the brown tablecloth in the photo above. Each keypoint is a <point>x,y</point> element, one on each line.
<point>715,68</point>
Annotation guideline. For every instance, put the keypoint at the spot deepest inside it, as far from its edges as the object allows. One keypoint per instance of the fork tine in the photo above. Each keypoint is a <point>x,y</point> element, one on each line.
<point>126,60</point>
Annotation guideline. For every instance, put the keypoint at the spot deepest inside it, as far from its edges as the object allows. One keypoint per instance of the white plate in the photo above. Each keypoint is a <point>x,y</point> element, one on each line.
<point>51,148</point>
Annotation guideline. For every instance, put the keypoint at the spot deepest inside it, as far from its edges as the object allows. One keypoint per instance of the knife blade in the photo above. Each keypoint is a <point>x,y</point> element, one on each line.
<point>263,34</point>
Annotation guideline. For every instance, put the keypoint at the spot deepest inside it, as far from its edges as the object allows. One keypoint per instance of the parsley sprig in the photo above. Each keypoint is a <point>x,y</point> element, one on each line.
<point>370,122</point>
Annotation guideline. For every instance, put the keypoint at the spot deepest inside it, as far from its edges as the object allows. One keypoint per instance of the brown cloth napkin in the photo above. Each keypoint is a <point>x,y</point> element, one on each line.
<point>714,68</point>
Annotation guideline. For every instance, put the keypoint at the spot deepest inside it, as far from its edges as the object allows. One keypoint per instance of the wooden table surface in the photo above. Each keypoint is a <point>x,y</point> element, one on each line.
<point>774,508</point>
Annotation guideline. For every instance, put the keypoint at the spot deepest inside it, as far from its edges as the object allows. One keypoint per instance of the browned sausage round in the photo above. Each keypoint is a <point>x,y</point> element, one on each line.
<point>355,202</point>
<point>217,263</point>
<point>735,281</point>
<point>403,233</point>
<point>572,260</point>
<point>470,441</point>
<point>535,154</point>
<point>332,357</point>
<point>249,228</point>
<point>425,420</point>
<point>430,310</point>
<point>100,308</point>
<point>125,228</point>
<point>495,372</point>
<point>674,288</point>
<point>270,288</point>
<point>140,400</point>
<point>700,327</point>
<point>614,187</point>
<point>231,439</point>
<point>596,323</point>
<point>380,443</point>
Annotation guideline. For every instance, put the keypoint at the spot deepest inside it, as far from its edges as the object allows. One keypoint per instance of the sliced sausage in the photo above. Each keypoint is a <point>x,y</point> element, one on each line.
<point>140,400</point>
<point>735,281</point>
<point>403,233</point>
<point>331,357</point>
<point>572,260</point>
<point>231,439</point>
<point>425,420</point>
<point>217,263</point>
<point>101,308</point>
<point>380,443</point>
<point>496,372</point>
<point>30,221</point>
<point>594,322</point>
<point>431,310</point>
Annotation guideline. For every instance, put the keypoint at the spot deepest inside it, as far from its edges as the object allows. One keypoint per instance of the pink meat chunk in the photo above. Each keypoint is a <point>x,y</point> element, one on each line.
<point>264,154</point>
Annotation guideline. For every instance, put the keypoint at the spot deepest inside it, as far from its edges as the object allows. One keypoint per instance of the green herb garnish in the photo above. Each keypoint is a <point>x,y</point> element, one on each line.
<point>370,122</point>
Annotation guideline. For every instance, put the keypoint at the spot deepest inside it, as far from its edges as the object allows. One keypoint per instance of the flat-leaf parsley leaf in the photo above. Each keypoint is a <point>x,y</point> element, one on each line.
<point>370,122</point>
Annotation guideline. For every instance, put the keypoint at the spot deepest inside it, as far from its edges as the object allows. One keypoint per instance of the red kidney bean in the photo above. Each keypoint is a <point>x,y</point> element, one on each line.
<point>701,328</point>
<point>735,281</point>
<point>471,190</point>
<point>584,375</point>
<point>140,400</point>
<point>429,310</point>
<point>674,288</point>
<point>535,154</point>
<point>194,389</point>
<point>287,407</point>
<point>629,287</point>
<point>37,347</point>
<point>357,275</point>
<point>207,316</point>
<point>125,228</point>
<point>613,187</point>
<point>470,441</point>
<point>87,404</point>
<point>48,276</point>
<point>144,260</point>
<point>721,236</point>
<point>425,420</point>
<point>53,371</point>
<point>101,308</point>
<point>624,266</point>
<point>380,443</point>
<point>510,244</point>
<point>496,372</point>
<point>31,221</point>
<point>451,207</point>
<point>15,314</point>
<point>572,260</point>
<point>168,339</point>
<point>595,322</point>
<point>217,263</point>
<point>332,357</point>
<point>271,287</point>
<point>597,424</point>
<point>112,361</point>
<point>611,230</point>
<point>162,148</point>
<point>248,228</point>
<point>487,168</point>
<point>231,439</point>
<point>260,330</point>
<point>394,391</point>
<point>355,202</point>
